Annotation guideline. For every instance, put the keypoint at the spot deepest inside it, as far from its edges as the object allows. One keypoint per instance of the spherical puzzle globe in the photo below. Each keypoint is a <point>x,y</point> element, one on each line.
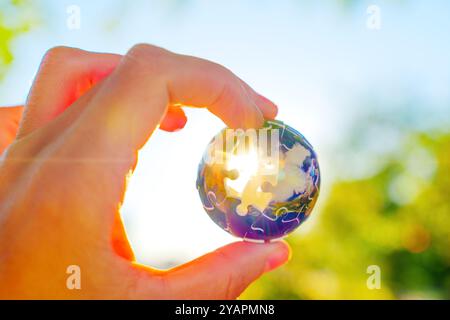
<point>259,184</point>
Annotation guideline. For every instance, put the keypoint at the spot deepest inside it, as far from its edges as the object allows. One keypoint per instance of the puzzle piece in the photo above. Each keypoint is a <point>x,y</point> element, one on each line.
<point>253,195</point>
<point>291,180</point>
<point>254,177</point>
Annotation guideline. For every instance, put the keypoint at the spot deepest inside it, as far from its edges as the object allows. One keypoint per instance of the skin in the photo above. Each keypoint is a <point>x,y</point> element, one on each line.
<point>66,158</point>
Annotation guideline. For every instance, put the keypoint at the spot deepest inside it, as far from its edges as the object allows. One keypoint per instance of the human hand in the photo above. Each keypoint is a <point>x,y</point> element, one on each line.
<point>63,177</point>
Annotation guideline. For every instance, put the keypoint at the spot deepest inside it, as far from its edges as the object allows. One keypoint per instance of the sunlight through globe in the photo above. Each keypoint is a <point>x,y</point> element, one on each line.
<point>259,184</point>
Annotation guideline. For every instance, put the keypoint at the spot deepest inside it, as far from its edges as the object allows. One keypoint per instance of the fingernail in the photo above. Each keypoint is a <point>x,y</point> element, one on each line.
<point>278,258</point>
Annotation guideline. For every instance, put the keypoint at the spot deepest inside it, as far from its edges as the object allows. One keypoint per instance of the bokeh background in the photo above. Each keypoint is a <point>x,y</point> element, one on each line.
<point>366,82</point>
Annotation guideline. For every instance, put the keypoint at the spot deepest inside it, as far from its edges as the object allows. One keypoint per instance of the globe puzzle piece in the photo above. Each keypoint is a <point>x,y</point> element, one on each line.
<point>256,197</point>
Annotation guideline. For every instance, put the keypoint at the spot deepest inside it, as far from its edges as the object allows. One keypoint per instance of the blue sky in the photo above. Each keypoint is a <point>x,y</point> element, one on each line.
<point>319,63</point>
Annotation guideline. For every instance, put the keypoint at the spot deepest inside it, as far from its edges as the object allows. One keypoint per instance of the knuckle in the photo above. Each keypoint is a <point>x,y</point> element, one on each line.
<point>227,89</point>
<point>149,55</point>
<point>146,50</point>
<point>223,72</point>
<point>225,95</point>
<point>60,53</point>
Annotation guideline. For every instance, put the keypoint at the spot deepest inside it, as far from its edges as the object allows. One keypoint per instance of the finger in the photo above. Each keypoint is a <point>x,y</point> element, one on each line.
<point>9,123</point>
<point>201,83</point>
<point>226,272</point>
<point>134,99</point>
<point>174,120</point>
<point>64,75</point>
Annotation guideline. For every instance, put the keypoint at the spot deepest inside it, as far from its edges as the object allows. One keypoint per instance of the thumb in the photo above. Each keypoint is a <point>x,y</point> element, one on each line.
<point>226,272</point>
<point>9,123</point>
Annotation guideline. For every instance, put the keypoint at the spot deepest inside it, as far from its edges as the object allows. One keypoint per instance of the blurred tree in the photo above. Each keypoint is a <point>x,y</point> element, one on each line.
<point>397,219</point>
<point>16,18</point>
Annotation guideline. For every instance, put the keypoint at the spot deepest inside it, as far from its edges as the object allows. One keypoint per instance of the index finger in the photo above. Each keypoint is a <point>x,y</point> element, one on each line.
<point>135,97</point>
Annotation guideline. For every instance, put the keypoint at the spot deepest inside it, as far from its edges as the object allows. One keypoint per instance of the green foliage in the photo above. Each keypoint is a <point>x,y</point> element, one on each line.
<point>6,35</point>
<point>16,18</point>
<point>398,219</point>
